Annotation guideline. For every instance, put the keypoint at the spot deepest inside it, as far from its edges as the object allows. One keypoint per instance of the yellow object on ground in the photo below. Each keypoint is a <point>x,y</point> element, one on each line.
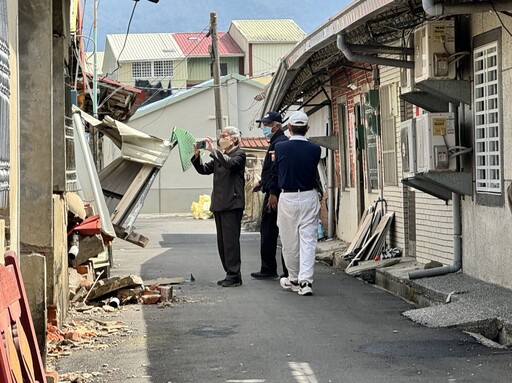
<point>201,209</point>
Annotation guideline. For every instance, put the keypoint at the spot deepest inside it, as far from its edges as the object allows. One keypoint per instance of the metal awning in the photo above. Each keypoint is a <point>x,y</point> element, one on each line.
<point>118,191</point>
<point>309,65</point>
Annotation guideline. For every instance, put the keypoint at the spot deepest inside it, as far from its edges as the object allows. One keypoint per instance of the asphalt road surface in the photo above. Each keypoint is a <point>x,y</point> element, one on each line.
<point>348,331</point>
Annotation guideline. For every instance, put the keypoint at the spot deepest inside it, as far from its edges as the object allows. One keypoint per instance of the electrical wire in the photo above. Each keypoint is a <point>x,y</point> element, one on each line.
<point>499,18</point>
<point>125,40</point>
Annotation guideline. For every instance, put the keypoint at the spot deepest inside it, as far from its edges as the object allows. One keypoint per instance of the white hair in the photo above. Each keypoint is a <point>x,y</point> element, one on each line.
<point>232,131</point>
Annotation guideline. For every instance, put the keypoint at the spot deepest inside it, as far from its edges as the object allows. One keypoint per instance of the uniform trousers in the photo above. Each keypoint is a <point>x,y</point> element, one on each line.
<point>228,224</point>
<point>297,218</point>
<point>269,232</point>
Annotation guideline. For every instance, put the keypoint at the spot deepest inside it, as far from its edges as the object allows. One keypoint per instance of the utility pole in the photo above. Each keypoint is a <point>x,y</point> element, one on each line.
<point>214,51</point>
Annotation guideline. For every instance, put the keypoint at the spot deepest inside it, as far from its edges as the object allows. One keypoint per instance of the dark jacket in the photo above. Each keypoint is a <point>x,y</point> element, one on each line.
<point>268,177</point>
<point>228,178</point>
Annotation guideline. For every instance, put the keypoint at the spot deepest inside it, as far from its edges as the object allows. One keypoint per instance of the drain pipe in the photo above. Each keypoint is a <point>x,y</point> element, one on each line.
<point>330,179</point>
<point>345,48</point>
<point>457,233</point>
<point>457,247</point>
<point>441,9</point>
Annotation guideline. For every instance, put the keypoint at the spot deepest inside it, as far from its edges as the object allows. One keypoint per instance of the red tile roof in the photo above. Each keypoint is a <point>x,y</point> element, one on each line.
<point>254,143</point>
<point>196,44</point>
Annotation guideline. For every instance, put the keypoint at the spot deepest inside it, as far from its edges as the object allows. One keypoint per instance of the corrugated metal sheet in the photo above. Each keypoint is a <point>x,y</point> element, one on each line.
<point>196,44</point>
<point>145,46</point>
<point>269,30</point>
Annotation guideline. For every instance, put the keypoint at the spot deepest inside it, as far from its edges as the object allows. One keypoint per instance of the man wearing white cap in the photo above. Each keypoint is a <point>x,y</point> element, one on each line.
<point>297,212</point>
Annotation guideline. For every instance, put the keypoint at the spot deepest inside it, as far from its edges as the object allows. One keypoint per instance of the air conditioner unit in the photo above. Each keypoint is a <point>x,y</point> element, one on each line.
<point>408,147</point>
<point>435,135</point>
<point>434,43</point>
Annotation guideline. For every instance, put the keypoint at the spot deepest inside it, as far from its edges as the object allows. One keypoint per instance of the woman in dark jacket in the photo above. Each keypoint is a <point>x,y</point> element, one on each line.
<point>227,165</point>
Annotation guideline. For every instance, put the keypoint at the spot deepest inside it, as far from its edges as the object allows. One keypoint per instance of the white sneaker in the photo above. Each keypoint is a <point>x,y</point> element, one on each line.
<point>306,288</point>
<point>289,285</point>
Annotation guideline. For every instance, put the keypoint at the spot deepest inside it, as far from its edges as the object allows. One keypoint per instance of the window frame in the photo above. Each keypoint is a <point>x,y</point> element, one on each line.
<point>147,69</point>
<point>485,195</point>
<point>388,135</point>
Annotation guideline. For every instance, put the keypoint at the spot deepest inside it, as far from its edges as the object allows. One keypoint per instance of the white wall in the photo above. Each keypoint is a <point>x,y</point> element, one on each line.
<point>174,190</point>
<point>486,231</point>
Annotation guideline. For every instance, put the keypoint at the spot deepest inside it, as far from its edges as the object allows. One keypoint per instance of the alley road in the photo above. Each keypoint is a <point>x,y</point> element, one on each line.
<point>348,332</point>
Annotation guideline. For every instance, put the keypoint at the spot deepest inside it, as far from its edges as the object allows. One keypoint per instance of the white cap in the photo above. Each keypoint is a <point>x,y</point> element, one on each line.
<point>299,118</point>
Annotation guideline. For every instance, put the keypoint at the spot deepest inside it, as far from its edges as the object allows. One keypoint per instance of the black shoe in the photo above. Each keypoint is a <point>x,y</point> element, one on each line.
<point>231,282</point>
<point>260,275</point>
<point>220,282</point>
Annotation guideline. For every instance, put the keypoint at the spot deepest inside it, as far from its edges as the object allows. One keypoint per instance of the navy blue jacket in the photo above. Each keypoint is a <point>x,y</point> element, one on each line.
<point>296,164</point>
<point>268,180</point>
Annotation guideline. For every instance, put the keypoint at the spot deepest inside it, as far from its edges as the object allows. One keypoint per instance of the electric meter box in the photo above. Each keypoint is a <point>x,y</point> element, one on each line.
<point>435,135</point>
<point>434,43</point>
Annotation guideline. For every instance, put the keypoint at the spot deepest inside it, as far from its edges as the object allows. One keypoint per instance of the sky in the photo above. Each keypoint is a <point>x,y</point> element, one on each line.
<point>194,15</point>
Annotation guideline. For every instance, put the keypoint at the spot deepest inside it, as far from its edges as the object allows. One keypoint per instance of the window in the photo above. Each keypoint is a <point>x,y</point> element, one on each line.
<point>487,118</point>
<point>141,69</point>
<point>147,69</point>
<point>223,69</point>
<point>371,123</point>
<point>388,134</point>
<point>163,68</point>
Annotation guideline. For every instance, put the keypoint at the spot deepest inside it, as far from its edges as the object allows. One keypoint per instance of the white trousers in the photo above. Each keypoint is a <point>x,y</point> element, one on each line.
<point>297,218</point>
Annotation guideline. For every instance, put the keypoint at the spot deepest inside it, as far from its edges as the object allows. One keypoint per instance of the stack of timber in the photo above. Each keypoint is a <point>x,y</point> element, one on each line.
<point>369,241</point>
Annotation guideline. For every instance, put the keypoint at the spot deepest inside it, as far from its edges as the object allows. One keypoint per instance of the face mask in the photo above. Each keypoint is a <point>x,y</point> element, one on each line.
<point>267,131</point>
<point>224,144</point>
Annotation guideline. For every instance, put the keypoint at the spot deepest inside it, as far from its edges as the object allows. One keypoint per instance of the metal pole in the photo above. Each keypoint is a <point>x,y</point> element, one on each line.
<point>94,131</point>
<point>216,72</point>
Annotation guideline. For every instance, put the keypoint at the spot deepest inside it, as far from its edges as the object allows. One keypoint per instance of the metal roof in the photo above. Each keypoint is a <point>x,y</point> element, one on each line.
<point>197,44</point>
<point>254,143</point>
<point>269,31</point>
<point>304,71</point>
<point>144,46</point>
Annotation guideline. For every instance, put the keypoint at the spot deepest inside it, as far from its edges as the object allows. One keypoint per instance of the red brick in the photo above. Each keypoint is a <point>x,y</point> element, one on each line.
<point>151,299</point>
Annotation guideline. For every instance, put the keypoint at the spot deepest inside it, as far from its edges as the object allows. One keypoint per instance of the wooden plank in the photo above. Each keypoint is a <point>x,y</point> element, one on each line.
<point>360,234</point>
<point>381,232</point>
<point>165,281</point>
<point>372,264</point>
<point>363,250</point>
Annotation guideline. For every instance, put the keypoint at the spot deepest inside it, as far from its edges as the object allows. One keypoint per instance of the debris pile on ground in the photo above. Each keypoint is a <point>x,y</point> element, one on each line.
<point>110,293</point>
<point>90,334</point>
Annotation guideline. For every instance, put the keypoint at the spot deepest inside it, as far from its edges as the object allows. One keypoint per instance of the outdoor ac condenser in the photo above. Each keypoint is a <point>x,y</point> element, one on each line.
<point>435,135</point>
<point>434,45</point>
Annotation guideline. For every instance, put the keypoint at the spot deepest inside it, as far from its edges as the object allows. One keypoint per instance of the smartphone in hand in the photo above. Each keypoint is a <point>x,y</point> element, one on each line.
<point>201,144</point>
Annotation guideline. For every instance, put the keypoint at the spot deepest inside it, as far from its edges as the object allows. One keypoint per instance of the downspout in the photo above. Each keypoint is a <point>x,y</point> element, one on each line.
<point>345,48</point>
<point>330,178</point>
<point>457,233</point>
<point>457,247</point>
<point>441,9</point>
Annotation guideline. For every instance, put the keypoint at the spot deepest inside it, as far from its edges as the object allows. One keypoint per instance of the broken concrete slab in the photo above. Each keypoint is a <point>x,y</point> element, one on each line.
<point>110,286</point>
<point>89,246</point>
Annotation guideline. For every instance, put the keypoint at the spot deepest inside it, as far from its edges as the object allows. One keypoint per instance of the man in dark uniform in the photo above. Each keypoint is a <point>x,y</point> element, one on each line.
<point>228,198</point>
<point>269,232</point>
